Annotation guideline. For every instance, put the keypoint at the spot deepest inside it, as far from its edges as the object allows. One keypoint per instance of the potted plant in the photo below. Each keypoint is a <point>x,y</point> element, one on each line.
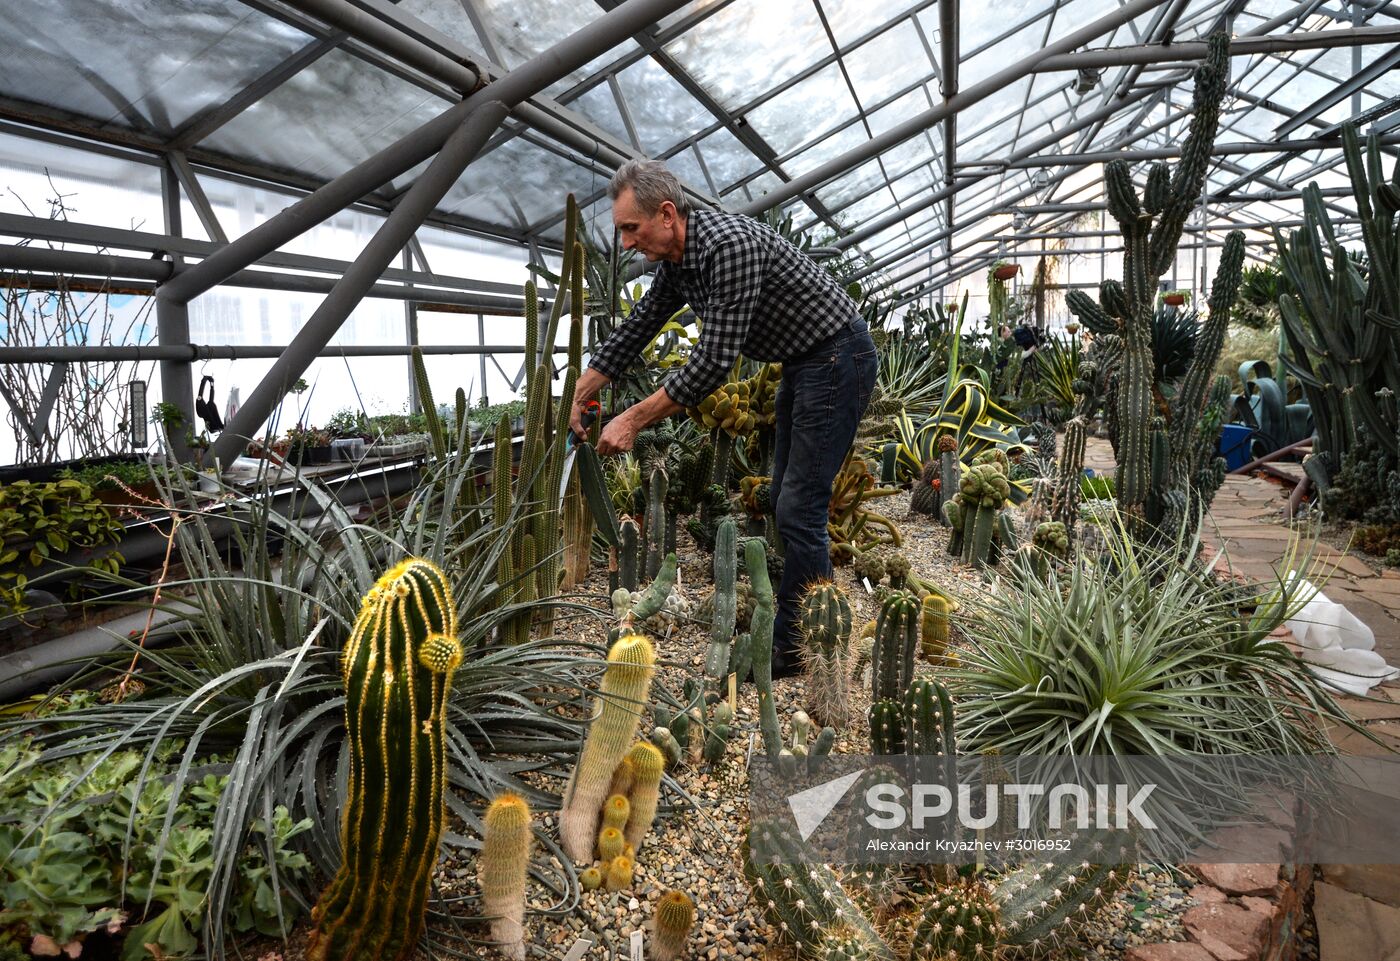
<point>1072,327</point>
<point>307,446</point>
<point>1005,270</point>
<point>1176,298</point>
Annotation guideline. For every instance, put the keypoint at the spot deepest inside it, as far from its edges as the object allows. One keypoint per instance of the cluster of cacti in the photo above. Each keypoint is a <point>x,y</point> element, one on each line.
<point>1048,549</point>
<point>1338,325</point>
<point>505,859</point>
<point>1040,905</point>
<point>727,409</point>
<point>526,500</point>
<point>825,624</point>
<point>854,529</point>
<point>802,897</point>
<point>927,496</point>
<point>675,916</point>
<point>644,605</point>
<point>803,752</point>
<point>1152,228</point>
<point>870,566</point>
<point>743,605</point>
<point>982,494</point>
<point>619,706</point>
<point>919,722</point>
<point>896,641</point>
<point>397,668</point>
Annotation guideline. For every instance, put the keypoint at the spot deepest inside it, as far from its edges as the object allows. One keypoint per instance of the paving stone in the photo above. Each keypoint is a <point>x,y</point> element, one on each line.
<point>1379,882</point>
<point>1228,931</point>
<point>1380,708</point>
<point>1168,951</point>
<point>1351,927</point>
<point>1238,878</point>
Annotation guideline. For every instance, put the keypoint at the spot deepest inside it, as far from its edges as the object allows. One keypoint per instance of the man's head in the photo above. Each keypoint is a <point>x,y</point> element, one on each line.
<point>1005,331</point>
<point>649,209</point>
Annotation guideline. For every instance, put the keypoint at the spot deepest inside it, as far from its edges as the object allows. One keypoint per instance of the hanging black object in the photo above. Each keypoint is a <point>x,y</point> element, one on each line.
<point>206,408</point>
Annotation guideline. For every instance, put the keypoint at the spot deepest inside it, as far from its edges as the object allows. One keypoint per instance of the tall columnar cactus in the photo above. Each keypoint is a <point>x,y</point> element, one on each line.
<point>504,862</point>
<point>949,467</point>
<point>725,605</point>
<point>436,438</point>
<point>675,916</point>
<point>887,735</point>
<point>656,519</point>
<point>761,632</point>
<point>1151,230</point>
<point>1338,325</point>
<point>953,519</point>
<point>629,554</point>
<point>649,764</point>
<point>933,627</point>
<point>896,641</point>
<point>824,619</point>
<point>397,668</point>
<point>799,894</point>
<point>1064,507</point>
<point>959,922</point>
<point>619,707</point>
<point>928,720</point>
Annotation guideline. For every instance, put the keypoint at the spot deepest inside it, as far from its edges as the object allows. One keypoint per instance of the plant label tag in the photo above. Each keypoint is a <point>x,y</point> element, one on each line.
<point>734,692</point>
<point>868,588</point>
<point>636,946</point>
<point>748,754</point>
<point>578,950</point>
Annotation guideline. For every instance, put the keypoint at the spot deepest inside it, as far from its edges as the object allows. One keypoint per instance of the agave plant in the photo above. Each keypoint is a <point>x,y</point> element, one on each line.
<point>1137,653</point>
<point>253,674</point>
<point>1173,342</point>
<point>911,374</point>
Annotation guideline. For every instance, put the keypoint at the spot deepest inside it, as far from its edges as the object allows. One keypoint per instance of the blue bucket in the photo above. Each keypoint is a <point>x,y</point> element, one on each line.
<point>1234,445</point>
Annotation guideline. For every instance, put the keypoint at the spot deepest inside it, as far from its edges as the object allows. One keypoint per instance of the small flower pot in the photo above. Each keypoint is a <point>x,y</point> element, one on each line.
<point>1007,271</point>
<point>1071,328</point>
<point>1174,300</point>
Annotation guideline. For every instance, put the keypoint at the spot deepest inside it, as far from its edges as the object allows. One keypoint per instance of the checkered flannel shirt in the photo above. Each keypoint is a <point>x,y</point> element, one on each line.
<point>755,293</point>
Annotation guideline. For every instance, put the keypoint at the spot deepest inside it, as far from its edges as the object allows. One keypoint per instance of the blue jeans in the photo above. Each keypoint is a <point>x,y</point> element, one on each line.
<point>820,402</point>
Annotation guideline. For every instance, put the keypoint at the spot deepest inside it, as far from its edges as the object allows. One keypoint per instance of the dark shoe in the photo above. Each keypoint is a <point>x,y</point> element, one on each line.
<point>785,666</point>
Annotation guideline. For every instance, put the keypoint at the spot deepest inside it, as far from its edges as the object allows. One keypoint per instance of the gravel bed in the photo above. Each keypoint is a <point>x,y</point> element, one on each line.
<point>696,849</point>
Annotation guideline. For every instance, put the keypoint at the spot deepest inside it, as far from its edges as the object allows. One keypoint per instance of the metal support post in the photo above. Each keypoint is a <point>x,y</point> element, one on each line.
<point>389,240</point>
<point>173,327</point>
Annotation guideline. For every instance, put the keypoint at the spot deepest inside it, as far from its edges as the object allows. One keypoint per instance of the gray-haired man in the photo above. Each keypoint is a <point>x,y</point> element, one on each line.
<point>759,296</point>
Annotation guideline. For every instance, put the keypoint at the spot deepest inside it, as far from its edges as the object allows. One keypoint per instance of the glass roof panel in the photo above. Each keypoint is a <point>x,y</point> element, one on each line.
<point>519,184</point>
<point>327,118</point>
<point>896,112</point>
<point>661,109</point>
<point>842,190</point>
<point>787,121</point>
<point>887,64</point>
<point>851,19</point>
<point>750,45</point>
<point>521,29</point>
<point>727,159</point>
<point>175,59</point>
<point>598,104</point>
<point>685,166</point>
<point>834,146</point>
<point>1072,16</point>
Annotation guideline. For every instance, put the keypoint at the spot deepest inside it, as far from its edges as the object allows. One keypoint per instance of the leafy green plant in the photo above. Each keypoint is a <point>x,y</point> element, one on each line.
<point>254,678</point>
<point>1256,304</point>
<point>61,875</point>
<point>1099,487</point>
<point>108,476</point>
<point>347,423</point>
<point>169,416</point>
<point>39,522</point>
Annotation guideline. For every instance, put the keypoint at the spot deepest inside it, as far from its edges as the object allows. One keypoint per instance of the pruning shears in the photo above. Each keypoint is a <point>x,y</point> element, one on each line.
<point>590,415</point>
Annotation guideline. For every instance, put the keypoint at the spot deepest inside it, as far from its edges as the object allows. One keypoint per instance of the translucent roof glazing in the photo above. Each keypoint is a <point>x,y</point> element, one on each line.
<point>741,97</point>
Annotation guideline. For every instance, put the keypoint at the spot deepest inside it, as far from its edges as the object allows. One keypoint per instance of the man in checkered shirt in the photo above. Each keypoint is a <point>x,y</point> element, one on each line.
<point>759,296</point>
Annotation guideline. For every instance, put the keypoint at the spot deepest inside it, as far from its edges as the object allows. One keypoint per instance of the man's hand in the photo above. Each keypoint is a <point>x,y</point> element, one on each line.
<point>589,383</point>
<point>619,435</point>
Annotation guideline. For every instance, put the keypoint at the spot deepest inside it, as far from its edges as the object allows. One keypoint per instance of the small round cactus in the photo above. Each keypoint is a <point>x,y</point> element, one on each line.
<point>675,916</point>
<point>590,879</point>
<point>619,876</point>
<point>610,842</point>
<point>616,811</point>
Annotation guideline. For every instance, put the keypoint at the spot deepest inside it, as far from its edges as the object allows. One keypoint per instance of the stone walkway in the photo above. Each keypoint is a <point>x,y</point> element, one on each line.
<point>1356,907</point>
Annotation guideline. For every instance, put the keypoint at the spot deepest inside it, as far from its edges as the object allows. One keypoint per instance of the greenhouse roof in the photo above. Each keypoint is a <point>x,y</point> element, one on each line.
<point>754,103</point>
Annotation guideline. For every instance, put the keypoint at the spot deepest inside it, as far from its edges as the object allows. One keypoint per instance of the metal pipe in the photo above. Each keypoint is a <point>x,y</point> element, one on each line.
<point>398,228</point>
<point>1195,50</point>
<point>969,97</point>
<point>949,50</point>
<point>1167,153</point>
<point>538,73</point>
<point>466,77</point>
<point>196,352</point>
<point>73,232</point>
<point>112,266</point>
